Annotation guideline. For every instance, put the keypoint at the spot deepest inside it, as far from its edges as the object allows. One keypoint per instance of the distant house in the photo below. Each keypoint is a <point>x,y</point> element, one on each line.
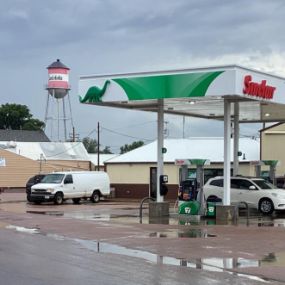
<point>23,136</point>
<point>103,158</point>
<point>133,174</point>
<point>273,145</point>
<point>21,160</point>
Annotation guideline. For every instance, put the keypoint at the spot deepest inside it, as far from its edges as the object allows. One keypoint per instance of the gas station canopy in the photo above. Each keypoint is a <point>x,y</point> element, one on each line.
<point>198,92</point>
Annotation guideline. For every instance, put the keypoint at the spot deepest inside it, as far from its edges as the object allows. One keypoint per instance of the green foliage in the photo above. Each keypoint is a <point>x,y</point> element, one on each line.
<point>18,117</point>
<point>91,146</point>
<point>129,147</point>
<point>33,124</point>
<point>106,150</point>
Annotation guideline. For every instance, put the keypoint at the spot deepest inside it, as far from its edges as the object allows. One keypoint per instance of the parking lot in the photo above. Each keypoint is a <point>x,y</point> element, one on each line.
<point>253,248</point>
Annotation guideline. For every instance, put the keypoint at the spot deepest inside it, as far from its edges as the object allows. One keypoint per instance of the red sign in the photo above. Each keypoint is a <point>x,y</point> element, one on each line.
<point>260,90</point>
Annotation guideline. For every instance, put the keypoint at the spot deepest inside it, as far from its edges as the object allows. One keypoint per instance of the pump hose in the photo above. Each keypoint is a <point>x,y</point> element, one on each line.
<point>175,204</point>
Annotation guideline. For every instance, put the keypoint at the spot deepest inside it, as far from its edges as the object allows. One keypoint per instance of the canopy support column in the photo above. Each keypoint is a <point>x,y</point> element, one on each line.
<point>160,138</point>
<point>236,138</point>
<point>227,149</point>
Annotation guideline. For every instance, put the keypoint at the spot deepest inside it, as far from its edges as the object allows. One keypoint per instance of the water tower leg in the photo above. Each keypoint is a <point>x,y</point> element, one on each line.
<point>57,101</point>
<point>64,119</point>
<point>46,113</point>
<point>70,111</point>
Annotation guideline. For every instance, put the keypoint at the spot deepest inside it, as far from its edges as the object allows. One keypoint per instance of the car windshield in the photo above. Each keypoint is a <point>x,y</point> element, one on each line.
<point>53,178</point>
<point>263,184</point>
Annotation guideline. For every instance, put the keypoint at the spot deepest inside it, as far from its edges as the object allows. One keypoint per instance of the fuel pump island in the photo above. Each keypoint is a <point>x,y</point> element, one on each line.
<point>191,200</point>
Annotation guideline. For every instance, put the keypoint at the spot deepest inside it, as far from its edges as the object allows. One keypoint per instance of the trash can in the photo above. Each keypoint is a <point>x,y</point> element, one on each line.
<point>211,209</point>
<point>189,208</point>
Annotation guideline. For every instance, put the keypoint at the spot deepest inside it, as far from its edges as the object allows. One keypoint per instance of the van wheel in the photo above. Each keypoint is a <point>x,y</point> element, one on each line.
<point>95,198</point>
<point>76,200</point>
<point>58,198</point>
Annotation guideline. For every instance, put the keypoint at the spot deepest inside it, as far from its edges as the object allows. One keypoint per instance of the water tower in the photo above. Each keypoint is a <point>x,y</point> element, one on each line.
<point>58,88</point>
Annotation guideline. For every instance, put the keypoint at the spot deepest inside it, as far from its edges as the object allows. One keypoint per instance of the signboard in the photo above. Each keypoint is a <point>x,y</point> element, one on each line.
<point>204,82</point>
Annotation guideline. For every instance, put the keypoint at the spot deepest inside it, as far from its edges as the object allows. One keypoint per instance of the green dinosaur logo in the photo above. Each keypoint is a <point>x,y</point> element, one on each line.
<point>94,94</point>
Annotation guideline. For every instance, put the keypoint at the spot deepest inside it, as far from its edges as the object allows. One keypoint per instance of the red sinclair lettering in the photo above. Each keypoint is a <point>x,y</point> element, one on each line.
<point>258,89</point>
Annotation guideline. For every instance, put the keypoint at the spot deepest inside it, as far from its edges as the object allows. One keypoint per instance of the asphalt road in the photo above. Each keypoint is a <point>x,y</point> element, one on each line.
<point>35,259</point>
<point>105,244</point>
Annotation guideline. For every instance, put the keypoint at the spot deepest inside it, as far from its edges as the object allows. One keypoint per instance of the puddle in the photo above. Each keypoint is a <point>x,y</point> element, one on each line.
<point>207,264</point>
<point>275,221</point>
<point>23,230</point>
<point>49,213</point>
<point>213,264</point>
<point>190,233</point>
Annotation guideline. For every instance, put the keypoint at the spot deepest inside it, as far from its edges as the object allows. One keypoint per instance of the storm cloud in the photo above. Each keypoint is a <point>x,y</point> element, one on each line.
<point>110,36</point>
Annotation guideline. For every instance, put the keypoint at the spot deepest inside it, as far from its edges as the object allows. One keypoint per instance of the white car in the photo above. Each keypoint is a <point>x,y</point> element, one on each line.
<point>257,192</point>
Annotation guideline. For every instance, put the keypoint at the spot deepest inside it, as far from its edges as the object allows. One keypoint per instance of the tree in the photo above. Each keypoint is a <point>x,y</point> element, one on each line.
<point>18,117</point>
<point>33,124</point>
<point>129,147</point>
<point>91,146</point>
<point>106,150</point>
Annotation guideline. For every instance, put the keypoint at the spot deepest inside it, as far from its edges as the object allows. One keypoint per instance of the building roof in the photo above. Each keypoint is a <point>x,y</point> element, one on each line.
<point>271,127</point>
<point>23,136</point>
<point>203,148</point>
<point>57,64</point>
<point>48,150</point>
<point>102,158</point>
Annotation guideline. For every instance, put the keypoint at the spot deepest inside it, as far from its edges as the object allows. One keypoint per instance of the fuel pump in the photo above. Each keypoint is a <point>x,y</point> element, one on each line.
<point>163,179</point>
<point>272,169</point>
<point>190,193</point>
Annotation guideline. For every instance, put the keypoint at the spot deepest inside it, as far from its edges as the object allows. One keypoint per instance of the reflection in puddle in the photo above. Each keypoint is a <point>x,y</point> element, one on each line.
<point>23,230</point>
<point>49,213</point>
<point>277,220</point>
<point>214,264</point>
<point>271,223</point>
<point>189,233</point>
<point>207,264</point>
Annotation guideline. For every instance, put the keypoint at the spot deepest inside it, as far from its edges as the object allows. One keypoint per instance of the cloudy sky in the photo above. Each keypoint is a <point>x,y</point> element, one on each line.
<point>111,36</point>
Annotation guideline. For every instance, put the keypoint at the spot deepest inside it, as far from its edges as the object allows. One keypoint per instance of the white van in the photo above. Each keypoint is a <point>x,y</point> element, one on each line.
<point>60,186</point>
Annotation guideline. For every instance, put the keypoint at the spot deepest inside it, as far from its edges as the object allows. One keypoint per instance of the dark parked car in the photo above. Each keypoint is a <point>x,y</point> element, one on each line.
<point>32,181</point>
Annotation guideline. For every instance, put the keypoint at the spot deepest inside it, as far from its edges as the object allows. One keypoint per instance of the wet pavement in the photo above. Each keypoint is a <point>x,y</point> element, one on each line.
<point>253,250</point>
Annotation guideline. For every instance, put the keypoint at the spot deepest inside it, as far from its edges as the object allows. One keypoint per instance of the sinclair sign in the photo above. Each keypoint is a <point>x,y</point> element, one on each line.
<point>261,90</point>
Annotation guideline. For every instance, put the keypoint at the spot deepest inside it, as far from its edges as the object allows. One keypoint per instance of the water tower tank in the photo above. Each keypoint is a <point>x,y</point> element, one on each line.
<point>58,84</point>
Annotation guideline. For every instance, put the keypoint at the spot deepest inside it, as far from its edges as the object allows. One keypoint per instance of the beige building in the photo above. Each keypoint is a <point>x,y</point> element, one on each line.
<point>272,146</point>
<point>103,158</point>
<point>21,160</point>
<point>133,174</point>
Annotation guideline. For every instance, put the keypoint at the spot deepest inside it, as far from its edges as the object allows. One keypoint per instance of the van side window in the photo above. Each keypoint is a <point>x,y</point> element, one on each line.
<point>68,179</point>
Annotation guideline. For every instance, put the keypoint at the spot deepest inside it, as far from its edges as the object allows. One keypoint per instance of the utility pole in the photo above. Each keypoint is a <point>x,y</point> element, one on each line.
<point>183,136</point>
<point>98,146</point>
<point>73,134</point>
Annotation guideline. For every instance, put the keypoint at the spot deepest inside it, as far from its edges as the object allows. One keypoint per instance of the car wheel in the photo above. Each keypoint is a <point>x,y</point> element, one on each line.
<point>95,198</point>
<point>29,198</point>
<point>58,198</point>
<point>76,200</point>
<point>212,198</point>
<point>266,206</point>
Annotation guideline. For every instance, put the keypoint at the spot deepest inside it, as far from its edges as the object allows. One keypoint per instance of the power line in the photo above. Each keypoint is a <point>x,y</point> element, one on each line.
<point>137,125</point>
<point>124,135</point>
